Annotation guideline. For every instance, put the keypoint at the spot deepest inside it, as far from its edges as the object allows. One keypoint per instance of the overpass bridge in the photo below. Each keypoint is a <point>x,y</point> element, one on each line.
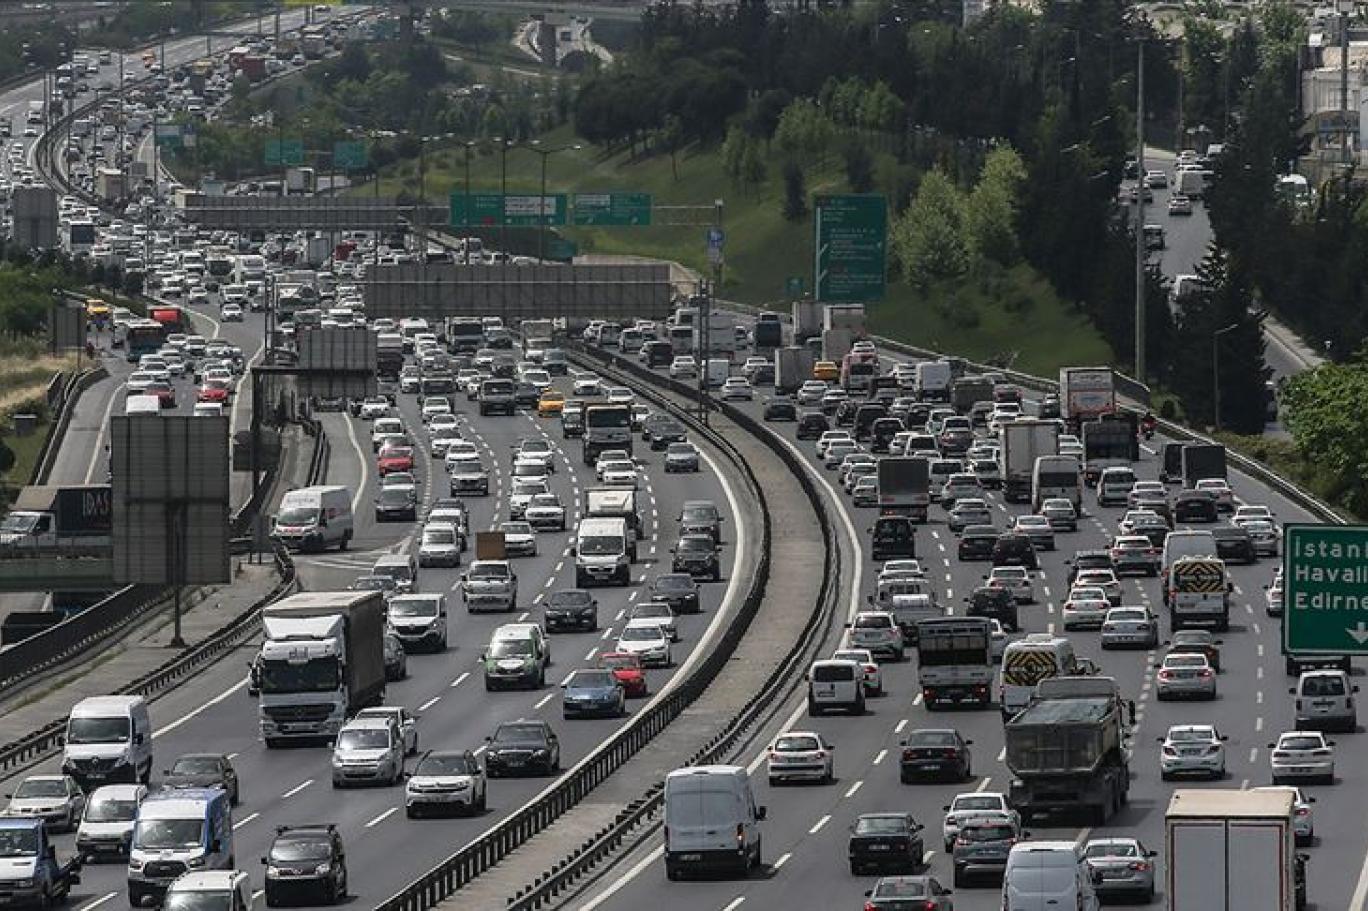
<point>58,569</point>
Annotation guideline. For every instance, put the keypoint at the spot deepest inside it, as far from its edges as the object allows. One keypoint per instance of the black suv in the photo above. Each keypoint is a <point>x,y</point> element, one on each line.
<point>894,536</point>
<point>881,840</point>
<point>812,424</point>
<point>781,409</point>
<point>701,517</point>
<point>995,604</point>
<point>1015,550</point>
<point>522,748</point>
<point>977,542</point>
<point>294,861</point>
<point>696,555</point>
<point>571,608</point>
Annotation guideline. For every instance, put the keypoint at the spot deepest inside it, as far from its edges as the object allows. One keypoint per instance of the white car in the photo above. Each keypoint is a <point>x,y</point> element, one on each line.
<point>446,781</point>
<point>647,640</point>
<point>520,539</point>
<point>970,806</point>
<point>55,799</point>
<point>544,512</point>
<point>402,719</point>
<point>374,407</point>
<point>618,473</point>
<point>433,406</point>
<point>529,470</point>
<point>737,388</point>
<point>444,422</point>
<point>538,450</point>
<point>1086,608</point>
<point>1016,579</point>
<point>1303,818</point>
<point>1250,511</point>
<point>837,452</point>
<point>683,367</point>
<point>1104,579</point>
<point>873,672</point>
<point>800,756</point>
<point>811,392</point>
<point>1192,749</point>
<point>1302,756</point>
<point>586,387</point>
<point>1130,626</point>
<point>829,437</point>
<point>230,313</point>
<point>1220,489</point>
<point>1145,489</point>
<point>661,613</point>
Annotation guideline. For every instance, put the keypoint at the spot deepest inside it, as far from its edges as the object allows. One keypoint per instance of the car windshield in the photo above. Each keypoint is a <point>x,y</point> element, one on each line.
<point>644,633</point>
<point>620,662</point>
<point>168,834</point>
<point>195,765</point>
<point>363,739</point>
<point>1301,743</point>
<point>592,679</point>
<point>1322,686</point>
<point>1111,849</point>
<point>601,545</point>
<point>488,572</point>
<point>1191,735</point>
<point>890,887</point>
<point>510,648</point>
<point>111,809</point>
<point>792,742</point>
<point>296,849</point>
<point>1128,615</point>
<point>694,544</point>
<point>19,842</point>
<point>466,466</point>
<point>880,825</point>
<point>520,733</point>
<point>679,449</point>
<point>439,536</point>
<point>1185,661</point>
<point>97,730</point>
<point>674,583</point>
<point>196,900</point>
<point>515,528</point>
<point>413,607</point>
<point>446,764</point>
<point>932,739</point>
<point>977,803</point>
<point>40,787</point>
<point>1000,832</point>
<point>572,598</point>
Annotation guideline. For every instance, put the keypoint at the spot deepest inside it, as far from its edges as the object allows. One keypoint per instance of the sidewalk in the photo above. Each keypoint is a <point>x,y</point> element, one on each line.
<point>141,650</point>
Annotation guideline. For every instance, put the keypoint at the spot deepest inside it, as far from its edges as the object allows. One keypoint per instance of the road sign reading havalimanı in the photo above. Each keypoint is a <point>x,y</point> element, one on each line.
<point>1325,589</point>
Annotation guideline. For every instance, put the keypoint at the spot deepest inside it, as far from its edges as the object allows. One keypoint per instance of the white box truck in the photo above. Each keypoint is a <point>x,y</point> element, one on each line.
<point>844,316</point>
<point>792,368</point>
<point>1021,443</point>
<point>1086,394</point>
<point>807,320</point>
<point>1231,850</point>
<point>312,518</point>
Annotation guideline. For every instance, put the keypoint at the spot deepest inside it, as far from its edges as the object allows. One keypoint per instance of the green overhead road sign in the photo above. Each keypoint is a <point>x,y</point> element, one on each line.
<point>349,155</point>
<point>851,248</point>
<point>1325,589</point>
<point>614,209</point>
<point>287,152</point>
<point>486,209</point>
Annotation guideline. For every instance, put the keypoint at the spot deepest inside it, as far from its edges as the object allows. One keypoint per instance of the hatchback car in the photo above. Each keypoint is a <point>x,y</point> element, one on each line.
<point>883,840</point>
<point>1185,676</point>
<point>995,603</point>
<point>982,845</point>
<point>800,756</point>
<point>1135,554</point>
<point>1303,816</point>
<point>1104,579</point>
<point>1192,749</point>
<point>306,863</point>
<point>878,631</point>
<point>1016,579</point>
<point>1121,867</point>
<point>1060,513</point>
<point>696,554</point>
<point>1302,756</point>
<point>1015,550</point>
<point>628,670</point>
<point>1197,641</point>
<point>935,753</point>
<point>445,782</point>
<point>898,893</point>
<point>1130,627</point>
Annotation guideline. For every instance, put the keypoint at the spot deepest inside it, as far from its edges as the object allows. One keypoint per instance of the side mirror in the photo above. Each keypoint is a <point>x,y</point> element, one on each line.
<point>265,860</point>
<point>968,743</point>
<point>1291,691</point>
<point>139,738</point>
<point>215,846</point>
<point>489,739</point>
<point>761,813</point>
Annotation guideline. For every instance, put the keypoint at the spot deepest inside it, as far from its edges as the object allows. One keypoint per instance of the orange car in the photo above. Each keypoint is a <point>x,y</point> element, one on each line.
<point>826,371</point>
<point>551,403</point>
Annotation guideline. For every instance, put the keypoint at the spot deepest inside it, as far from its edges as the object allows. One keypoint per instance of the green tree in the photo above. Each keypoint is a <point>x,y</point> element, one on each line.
<point>804,132</point>
<point>859,165</point>
<point>1330,435</point>
<point>993,205</point>
<point>795,192</point>
<point>671,139</point>
<point>931,237</point>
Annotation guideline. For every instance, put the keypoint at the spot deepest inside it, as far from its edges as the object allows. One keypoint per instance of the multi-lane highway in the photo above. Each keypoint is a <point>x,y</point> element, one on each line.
<point>805,834</point>
<point>385,849</point>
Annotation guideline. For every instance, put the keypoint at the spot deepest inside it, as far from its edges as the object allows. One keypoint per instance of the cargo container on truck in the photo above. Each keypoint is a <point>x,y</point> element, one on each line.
<point>1057,477</point>
<point>1066,749</point>
<point>52,516</point>
<point>606,426</point>
<point>1112,442</point>
<point>955,661</point>
<point>933,381</point>
<point>1202,461</point>
<point>719,339</point>
<point>614,503</point>
<point>905,487</point>
<point>321,662</point>
<point>1021,443</point>
<point>844,316</point>
<point>464,335</point>
<point>836,344</point>
<point>1232,850</point>
<point>768,332</point>
<point>967,391</point>
<point>1085,394</point>
<point>389,354</point>
<point>807,320</point>
<point>792,368</point>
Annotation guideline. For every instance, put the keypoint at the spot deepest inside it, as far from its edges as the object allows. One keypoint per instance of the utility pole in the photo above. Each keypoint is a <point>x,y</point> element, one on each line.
<point>704,317</point>
<point>1140,213</point>
<point>1344,9</point>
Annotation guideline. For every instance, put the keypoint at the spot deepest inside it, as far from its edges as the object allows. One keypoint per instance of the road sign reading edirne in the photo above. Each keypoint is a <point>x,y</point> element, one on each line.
<point>1325,589</point>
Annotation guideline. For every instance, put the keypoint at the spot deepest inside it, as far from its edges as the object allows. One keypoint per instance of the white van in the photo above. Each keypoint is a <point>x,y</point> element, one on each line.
<point>1114,485</point>
<point>1029,660</point>
<point>312,518</point>
<point>142,404</point>
<point>717,371</point>
<point>179,829</point>
<point>108,740</point>
<point>1048,876</point>
<point>1057,476</point>
<point>106,827</point>
<point>835,684</point>
<point>933,379</point>
<point>711,821</point>
<point>420,621</point>
<point>604,548</point>
<point>1325,701</point>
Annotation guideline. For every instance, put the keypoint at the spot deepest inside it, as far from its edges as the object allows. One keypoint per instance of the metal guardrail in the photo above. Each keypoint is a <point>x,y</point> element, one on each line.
<point>49,738</point>
<point>547,889</point>
<point>493,846</point>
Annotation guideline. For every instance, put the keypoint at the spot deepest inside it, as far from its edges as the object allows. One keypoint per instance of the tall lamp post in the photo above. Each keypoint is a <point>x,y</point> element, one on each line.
<point>465,222</point>
<point>1216,372</point>
<point>542,215</point>
<point>504,145</point>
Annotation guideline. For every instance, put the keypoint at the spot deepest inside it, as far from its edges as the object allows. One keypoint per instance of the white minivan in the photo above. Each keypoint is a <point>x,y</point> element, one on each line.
<point>835,684</point>
<point>108,740</point>
<point>1048,876</point>
<point>711,821</point>
<point>312,518</point>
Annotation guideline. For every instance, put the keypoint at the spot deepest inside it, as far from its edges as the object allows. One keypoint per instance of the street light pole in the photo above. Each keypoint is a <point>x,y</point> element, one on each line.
<point>542,215</point>
<point>1216,372</point>
<point>1140,214</point>
<point>465,217</point>
<point>503,197</point>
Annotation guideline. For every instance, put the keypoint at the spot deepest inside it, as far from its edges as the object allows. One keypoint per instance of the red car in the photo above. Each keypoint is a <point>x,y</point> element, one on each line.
<point>166,395</point>
<point>395,458</point>
<point>627,670</point>
<point>213,391</point>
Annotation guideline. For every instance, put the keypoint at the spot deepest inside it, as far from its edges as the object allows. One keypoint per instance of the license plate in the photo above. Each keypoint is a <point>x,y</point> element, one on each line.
<point>878,847</point>
<point>1113,874</point>
<point>691,857</point>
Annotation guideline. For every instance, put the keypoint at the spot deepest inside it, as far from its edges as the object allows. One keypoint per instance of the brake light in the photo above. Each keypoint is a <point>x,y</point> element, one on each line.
<point>1303,811</point>
<point>870,906</point>
<point>1170,751</point>
<point>909,753</point>
<point>740,835</point>
<point>1140,865</point>
<point>1164,675</point>
<point>1206,672</point>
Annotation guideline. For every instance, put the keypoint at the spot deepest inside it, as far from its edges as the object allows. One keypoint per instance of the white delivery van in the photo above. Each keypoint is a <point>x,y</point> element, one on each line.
<point>711,821</point>
<point>835,684</point>
<point>312,518</point>
<point>604,549</point>
<point>178,829</point>
<point>1029,660</point>
<point>108,740</point>
<point>933,379</point>
<point>717,371</point>
<point>142,404</point>
<point>106,827</point>
<point>1048,876</point>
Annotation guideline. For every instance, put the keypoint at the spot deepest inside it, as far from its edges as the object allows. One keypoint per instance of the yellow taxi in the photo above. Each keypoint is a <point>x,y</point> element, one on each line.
<point>97,312</point>
<point>826,371</point>
<point>551,403</point>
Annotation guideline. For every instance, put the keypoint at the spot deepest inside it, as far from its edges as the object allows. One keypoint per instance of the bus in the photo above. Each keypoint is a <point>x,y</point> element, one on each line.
<point>144,336</point>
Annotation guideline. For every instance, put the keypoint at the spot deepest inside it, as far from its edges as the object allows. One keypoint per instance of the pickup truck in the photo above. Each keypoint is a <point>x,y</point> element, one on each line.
<point>30,873</point>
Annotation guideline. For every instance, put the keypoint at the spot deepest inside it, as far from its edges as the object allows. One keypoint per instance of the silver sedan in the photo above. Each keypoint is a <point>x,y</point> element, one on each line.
<point>1124,867</point>
<point>1185,675</point>
<point>1130,626</point>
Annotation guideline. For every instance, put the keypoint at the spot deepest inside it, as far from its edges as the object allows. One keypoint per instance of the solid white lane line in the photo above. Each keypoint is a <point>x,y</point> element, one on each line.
<point>297,788</point>
<point>382,817</point>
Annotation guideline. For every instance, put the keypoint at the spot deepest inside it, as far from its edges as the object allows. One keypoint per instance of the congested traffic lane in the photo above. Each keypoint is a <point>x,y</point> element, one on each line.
<point>293,785</point>
<point>806,831</point>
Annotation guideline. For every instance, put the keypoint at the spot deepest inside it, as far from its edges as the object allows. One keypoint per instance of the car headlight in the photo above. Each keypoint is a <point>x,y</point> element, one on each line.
<point>323,869</point>
<point>272,870</point>
<point>194,862</point>
<point>135,863</point>
<point>22,883</point>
